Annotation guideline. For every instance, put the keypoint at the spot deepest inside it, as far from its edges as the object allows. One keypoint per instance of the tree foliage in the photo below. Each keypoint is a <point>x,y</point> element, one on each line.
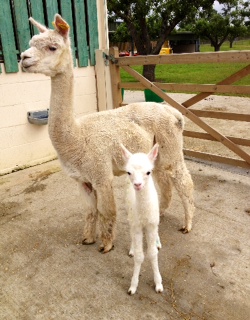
<point>153,20</point>
<point>228,24</point>
<point>149,20</point>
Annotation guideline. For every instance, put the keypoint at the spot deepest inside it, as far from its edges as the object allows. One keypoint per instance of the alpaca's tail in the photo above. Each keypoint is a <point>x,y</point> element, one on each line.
<point>180,119</point>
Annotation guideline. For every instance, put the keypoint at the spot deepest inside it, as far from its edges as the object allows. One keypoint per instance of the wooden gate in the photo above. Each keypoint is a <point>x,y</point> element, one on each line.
<point>224,86</point>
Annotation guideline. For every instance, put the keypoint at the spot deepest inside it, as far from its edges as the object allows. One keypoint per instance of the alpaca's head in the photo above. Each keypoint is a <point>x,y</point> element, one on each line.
<point>139,166</point>
<point>49,51</point>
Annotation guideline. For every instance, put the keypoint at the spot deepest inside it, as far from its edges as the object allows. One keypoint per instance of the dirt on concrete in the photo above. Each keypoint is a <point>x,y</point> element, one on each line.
<point>46,273</point>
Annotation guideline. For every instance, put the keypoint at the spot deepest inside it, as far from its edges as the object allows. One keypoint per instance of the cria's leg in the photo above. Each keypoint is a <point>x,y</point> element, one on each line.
<point>131,250</point>
<point>107,215</point>
<point>152,236</point>
<point>184,185</point>
<point>90,212</point>
<point>158,243</point>
<point>138,258</point>
<point>164,188</point>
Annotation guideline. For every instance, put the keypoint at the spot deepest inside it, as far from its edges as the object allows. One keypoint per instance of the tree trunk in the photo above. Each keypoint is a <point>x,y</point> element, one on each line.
<point>149,72</point>
<point>216,47</point>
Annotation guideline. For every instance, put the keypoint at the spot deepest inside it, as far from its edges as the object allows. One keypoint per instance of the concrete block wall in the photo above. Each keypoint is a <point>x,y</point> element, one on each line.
<point>23,144</point>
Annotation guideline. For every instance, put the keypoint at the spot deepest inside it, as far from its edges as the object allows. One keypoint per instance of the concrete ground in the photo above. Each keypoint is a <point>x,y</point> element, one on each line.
<point>45,272</point>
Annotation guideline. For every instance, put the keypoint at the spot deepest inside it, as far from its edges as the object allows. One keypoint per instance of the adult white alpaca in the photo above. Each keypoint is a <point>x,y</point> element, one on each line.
<point>143,213</point>
<point>88,149</point>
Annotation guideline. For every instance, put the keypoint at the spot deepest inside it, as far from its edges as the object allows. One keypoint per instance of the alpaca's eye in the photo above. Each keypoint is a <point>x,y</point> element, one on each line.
<point>51,48</point>
<point>129,173</point>
<point>148,173</point>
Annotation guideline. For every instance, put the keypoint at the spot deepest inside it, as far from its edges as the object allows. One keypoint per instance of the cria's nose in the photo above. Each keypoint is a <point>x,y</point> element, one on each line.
<point>137,184</point>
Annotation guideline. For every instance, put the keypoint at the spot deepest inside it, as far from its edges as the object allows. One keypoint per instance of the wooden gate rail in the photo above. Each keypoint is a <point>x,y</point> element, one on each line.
<point>187,87</point>
<point>243,56</point>
<point>233,78</point>
<point>206,136</point>
<point>187,58</point>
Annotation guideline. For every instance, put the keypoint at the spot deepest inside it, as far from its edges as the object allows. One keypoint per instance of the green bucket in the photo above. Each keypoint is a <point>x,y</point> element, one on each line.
<point>151,96</point>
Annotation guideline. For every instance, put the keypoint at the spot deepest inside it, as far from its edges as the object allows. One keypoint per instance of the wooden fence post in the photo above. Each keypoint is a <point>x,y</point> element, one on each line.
<point>115,77</point>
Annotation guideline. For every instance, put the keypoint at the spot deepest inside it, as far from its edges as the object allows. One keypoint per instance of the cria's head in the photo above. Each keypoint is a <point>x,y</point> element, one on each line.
<point>139,166</point>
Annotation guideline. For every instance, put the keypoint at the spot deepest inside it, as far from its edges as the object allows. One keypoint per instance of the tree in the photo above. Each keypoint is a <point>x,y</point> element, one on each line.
<point>121,34</point>
<point>239,17</point>
<point>236,29</point>
<point>225,25</point>
<point>149,20</point>
<point>214,27</point>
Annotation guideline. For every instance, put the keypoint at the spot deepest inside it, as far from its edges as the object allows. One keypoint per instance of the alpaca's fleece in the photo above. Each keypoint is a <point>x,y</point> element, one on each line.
<point>88,148</point>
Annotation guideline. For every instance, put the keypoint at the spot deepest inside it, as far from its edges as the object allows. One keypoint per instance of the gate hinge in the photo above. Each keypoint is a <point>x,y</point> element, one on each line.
<point>108,58</point>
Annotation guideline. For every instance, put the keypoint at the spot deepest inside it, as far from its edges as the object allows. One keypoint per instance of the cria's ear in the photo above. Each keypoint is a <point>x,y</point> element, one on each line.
<point>39,26</point>
<point>125,153</point>
<point>152,155</point>
<point>61,26</point>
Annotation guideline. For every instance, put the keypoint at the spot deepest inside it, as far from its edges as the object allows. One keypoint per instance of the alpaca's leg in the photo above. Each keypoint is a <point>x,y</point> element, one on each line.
<point>152,237</point>
<point>107,215</point>
<point>90,213</point>
<point>164,188</point>
<point>138,258</point>
<point>184,185</point>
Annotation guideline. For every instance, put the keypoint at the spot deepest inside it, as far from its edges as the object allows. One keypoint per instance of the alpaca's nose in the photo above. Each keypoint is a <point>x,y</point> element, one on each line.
<point>24,56</point>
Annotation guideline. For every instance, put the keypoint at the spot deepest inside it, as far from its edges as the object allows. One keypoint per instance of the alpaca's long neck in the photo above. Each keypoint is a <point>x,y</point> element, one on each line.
<point>62,124</point>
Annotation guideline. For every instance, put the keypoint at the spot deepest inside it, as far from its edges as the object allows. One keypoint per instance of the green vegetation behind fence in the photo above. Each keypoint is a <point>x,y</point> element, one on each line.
<point>207,73</point>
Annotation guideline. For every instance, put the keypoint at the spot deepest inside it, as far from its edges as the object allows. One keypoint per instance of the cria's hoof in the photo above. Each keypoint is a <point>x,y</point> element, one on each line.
<point>159,288</point>
<point>184,230</point>
<point>131,292</point>
<point>86,242</point>
<point>103,249</point>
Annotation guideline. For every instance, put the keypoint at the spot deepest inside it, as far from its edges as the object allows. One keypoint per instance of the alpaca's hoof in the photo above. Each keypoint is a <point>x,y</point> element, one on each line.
<point>106,249</point>
<point>184,230</point>
<point>162,213</point>
<point>87,242</point>
<point>131,253</point>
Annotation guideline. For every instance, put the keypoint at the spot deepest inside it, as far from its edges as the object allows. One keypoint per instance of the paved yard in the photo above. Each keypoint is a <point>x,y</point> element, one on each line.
<point>45,272</point>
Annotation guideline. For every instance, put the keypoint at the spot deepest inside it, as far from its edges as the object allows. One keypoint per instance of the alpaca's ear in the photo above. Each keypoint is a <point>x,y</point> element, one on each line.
<point>152,155</point>
<point>125,153</point>
<point>39,26</point>
<point>61,25</point>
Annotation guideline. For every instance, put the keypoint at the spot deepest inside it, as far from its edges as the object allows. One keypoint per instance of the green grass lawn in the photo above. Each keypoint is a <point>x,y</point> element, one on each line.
<point>239,45</point>
<point>207,73</point>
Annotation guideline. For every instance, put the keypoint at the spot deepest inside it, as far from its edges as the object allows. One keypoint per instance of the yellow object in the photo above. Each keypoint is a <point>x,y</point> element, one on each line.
<point>166,51</point>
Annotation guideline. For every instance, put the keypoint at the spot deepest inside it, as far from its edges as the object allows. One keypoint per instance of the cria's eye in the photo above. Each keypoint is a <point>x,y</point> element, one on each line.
<point>51,48</point>
<point>129,173</point>
<point>148,173</point>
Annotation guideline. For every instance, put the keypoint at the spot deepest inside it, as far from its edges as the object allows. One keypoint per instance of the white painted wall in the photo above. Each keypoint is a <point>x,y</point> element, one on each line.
<point>23,144</point>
